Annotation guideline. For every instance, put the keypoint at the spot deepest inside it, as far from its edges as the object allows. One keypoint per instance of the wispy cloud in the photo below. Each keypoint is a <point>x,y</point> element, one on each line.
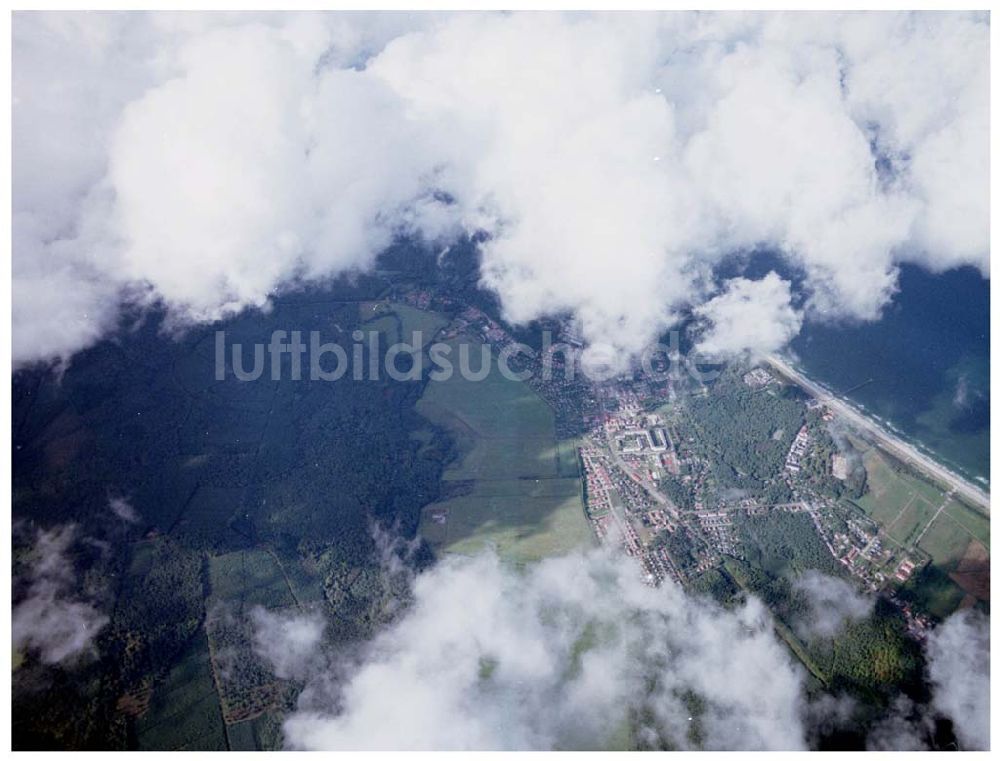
<point>832,603</point>
<point>123,509</point>
<point>49,620</point>
<point>288,642</point>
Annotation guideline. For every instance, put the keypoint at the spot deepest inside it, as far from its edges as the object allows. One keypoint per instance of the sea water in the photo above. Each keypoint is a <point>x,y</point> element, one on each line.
<point>922,369</point>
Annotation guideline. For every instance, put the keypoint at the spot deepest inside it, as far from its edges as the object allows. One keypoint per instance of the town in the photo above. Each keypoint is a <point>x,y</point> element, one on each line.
<point>652,485</point>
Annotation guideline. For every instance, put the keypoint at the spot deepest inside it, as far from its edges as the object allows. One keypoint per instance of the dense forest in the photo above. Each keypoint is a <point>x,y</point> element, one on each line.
<point>745,433</point>
<point>211,471</point>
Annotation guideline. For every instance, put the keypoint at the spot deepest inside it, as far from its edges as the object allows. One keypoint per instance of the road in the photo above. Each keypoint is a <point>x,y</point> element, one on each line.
<point>884,439</point>
<point>933,518</point>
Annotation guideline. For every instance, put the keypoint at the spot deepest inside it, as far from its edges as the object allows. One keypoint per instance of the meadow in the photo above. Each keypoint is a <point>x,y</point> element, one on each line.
<point>918,515</point>
<point>521,490</point>
<point>184,712</point>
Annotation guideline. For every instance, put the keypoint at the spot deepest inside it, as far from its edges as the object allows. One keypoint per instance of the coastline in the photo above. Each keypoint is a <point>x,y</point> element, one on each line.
<point>885,439</point>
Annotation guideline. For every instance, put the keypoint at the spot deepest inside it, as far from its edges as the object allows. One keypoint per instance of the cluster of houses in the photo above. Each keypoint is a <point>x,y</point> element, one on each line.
<point>631,438</point>
<point>905,570</point>
<point>598,481</point>
<point>758,378</point>
<point>793,461</point>
<point>918,625</point>
<point>659,566</point>
<point>717,527</point>
<point>636,440</point>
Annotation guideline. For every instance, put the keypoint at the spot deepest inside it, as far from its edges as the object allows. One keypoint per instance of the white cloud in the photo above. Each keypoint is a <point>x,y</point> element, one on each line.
<point>749,315</point>
<point>199,160</point>
<point>553,153</point>
<point>559,655</point>
<point>613,158</point>
<point>290,643</point>
<point>48,620</point>
<point>249,171</point>
<point>123,509</point>
<point>832,603</point>
<point>958,653</point>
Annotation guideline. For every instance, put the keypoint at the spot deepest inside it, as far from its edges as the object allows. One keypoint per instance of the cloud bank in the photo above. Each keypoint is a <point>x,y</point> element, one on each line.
<point>205,162</point>
<point>578,653</point>
<point>574,652</point>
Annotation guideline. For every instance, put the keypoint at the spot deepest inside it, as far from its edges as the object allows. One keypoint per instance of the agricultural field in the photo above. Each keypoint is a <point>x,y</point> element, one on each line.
<point>918,515</point>
<point>958,541</point>
<point>413,319</point>
<point>398,322</point>
<point>901,502</point>
<point>241,581</point>
<point>523,520</point>
<point>250,577</point>
<point>503,429</point>
<point>184,712</point>
<point>911,520</point>
<point>519,485</point>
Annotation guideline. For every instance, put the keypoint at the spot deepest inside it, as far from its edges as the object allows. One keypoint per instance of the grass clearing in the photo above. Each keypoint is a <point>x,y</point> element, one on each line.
<point>387,325</point>
<point>520,521</point>
<point>902,502</point>
<point>887,493</point>
<point>945,541</point>
<point>503,429</point>
<point>910,521</point>
<point>413,319</point>
<point>251,577</point>
<point>523,494</point>
<point>977,524</point>
<point>398,322</point>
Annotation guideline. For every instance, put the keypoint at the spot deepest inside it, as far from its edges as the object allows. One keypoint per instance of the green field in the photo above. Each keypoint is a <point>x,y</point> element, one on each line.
<point>945,540</point>
<point>522,491</point>
<point>184,713</point>
<point>898,500</point>
<point>250,577</point>
<point>974,522</point>
<point>413,319</point>
<point>911,520</point>
<point>503,429</point>
<point>956,538</point>
<point>398,322</point>
<point>522,520</point>
<point>948,538</point>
